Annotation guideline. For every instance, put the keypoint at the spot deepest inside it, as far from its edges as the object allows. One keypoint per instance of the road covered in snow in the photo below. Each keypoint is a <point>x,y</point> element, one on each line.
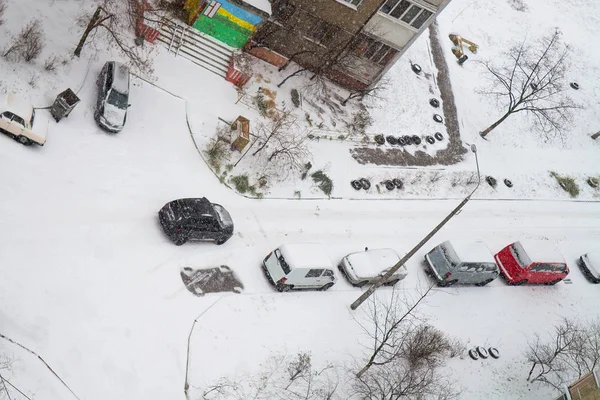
<point>90,282</point>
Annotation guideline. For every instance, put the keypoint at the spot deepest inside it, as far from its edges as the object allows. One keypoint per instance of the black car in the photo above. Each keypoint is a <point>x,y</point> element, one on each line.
<point>195,219</point>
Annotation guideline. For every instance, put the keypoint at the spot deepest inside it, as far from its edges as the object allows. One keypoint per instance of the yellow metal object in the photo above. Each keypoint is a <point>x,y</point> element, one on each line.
<point>241,128</point>
<point>458,41</point>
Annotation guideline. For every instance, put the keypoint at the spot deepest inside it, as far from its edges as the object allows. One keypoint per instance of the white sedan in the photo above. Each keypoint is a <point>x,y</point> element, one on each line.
<point>368,266</point>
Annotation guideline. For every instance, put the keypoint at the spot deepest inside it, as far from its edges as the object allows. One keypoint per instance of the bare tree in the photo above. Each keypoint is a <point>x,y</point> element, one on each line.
<point>413,372</point>
<point>112,22</point>
<point>29,43</point>
<point>373,91</point>
<point>282,144</point>
<point>530,81</point>
<point>388,321</point>
<point>569,353</point>
<point>282,378</point>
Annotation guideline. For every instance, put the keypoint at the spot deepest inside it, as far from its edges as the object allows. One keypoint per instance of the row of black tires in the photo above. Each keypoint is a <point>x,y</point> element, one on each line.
<point>407,140</point>
<point>365,184</point>
<point>481,352</point>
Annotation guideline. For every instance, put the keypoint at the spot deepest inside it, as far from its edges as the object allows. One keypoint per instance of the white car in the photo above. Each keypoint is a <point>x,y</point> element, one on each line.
<point>299,266</point>
<point>17,120</point>
<point>368,266</point>
<point>590,266</point>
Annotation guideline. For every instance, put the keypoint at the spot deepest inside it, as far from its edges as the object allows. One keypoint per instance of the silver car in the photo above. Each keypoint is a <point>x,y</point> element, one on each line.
<point>461,262</point>
<point>590,266</point>
<point>368,266</point>
<point>113,97</point>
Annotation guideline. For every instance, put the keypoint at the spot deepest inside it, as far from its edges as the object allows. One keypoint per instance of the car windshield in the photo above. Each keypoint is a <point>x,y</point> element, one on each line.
<point>223,215</point>
<point>518,252</point>
<point>450,255</point>
<point>117,99</point>
<point>284,265</point>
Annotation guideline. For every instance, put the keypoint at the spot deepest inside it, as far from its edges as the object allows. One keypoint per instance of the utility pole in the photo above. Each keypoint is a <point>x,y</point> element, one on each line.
<point>408,255</point>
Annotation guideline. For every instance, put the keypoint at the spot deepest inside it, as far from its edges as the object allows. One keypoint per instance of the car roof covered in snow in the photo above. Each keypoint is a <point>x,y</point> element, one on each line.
<point>471,251</point>
<point>305,255</point>
<point>542,251</point>
<point>594,257</point>
<point>370,263</point>
<point>121,82</point>
<point>17,105</point>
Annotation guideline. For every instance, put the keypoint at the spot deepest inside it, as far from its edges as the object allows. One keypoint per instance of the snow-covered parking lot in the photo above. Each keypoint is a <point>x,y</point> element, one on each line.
<point>91,283</point>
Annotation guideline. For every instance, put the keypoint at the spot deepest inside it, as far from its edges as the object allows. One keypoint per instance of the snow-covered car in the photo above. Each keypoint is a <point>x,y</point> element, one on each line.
<point>532,262</point>
<point>18,120</point>
<point>461,262</point>
<point>299,266</point>
<point>195,219</point>
<point>113,96</point>
<point>590,266</point>
<point>368,266</point>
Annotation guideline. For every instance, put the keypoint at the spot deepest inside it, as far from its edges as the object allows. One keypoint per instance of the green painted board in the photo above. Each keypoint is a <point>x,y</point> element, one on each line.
<point>224,30</point>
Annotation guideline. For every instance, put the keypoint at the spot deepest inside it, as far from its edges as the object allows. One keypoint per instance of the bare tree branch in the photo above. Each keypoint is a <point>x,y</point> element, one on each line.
<point>532,82</point>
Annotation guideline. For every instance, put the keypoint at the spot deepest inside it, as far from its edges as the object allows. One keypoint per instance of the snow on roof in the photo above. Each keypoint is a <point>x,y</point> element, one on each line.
<point>472,251</point>
<point>305,255</point>
<point>542,251</point>
<point>263,5</point>
<point>594,257</point>
<point>370,263</point>
<point>17,105</point>
<point>121,82</point>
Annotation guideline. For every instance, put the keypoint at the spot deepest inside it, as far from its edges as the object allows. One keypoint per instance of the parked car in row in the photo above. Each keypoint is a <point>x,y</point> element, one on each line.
<point>532,262</point>
<point>366,267</point>
<point>18,120</point>
<point>590,266</point>
<point>299,266</point>
<point>461,262</point>
<point>195,219</point>
<point>113,96</point>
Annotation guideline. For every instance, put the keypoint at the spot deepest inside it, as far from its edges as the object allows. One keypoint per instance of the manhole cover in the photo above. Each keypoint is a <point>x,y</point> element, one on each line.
<point>210,280</point>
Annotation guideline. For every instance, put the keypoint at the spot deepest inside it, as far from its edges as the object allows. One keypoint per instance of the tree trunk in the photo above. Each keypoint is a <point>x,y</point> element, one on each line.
<point>364,369</point>
<point>596,135</point>
<point>495,124</point>
<point>88,29</point>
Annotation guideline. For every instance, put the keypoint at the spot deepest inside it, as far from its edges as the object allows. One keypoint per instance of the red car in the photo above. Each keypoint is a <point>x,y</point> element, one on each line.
<point>532,262</point>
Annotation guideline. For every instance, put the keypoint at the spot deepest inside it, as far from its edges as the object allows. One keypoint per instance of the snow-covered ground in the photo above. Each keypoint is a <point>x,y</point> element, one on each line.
<point>90,283</point>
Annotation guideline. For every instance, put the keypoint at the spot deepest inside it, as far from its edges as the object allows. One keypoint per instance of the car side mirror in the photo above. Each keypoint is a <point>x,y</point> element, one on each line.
<point>128,105</point>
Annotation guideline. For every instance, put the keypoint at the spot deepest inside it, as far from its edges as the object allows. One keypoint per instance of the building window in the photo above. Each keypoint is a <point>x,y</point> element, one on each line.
<point>407,12</point>
<point>353,2</point>
<point>320,31</point>
<point>372,50</point>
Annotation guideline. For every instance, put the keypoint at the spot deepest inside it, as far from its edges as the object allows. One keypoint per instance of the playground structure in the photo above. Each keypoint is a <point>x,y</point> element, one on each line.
<point>458,50</point>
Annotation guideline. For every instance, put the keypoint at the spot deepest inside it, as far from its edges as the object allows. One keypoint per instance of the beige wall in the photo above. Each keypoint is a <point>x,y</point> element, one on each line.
<point>390,31</point>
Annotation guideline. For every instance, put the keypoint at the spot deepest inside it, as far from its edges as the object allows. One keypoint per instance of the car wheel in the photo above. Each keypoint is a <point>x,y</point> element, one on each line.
<point>447,283</point>
<point>392,283</point>
<point>284,288</point>
<point>220,241</point>
<point>365,183</point>
<point>553,282</point>
<point>494,352</point>
<point>473,354</point>
<point>326,287</point>
<point>237,290</point>
<point>361,283</point>
<point>356,185</point>
<point>23,140</point>
<point>180,240</point>
<point>482,352</point>
<point>484,282</point>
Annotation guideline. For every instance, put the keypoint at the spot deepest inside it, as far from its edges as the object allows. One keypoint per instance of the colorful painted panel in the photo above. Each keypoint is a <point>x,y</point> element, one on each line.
<point>229,23</point>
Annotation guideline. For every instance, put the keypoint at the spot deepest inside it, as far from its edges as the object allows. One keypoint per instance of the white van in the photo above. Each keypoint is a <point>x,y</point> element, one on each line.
<point>299,266</point>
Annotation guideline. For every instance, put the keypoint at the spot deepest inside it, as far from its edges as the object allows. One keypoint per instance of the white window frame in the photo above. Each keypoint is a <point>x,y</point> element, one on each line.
<point>408,24</point>
<point>350,3</point>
